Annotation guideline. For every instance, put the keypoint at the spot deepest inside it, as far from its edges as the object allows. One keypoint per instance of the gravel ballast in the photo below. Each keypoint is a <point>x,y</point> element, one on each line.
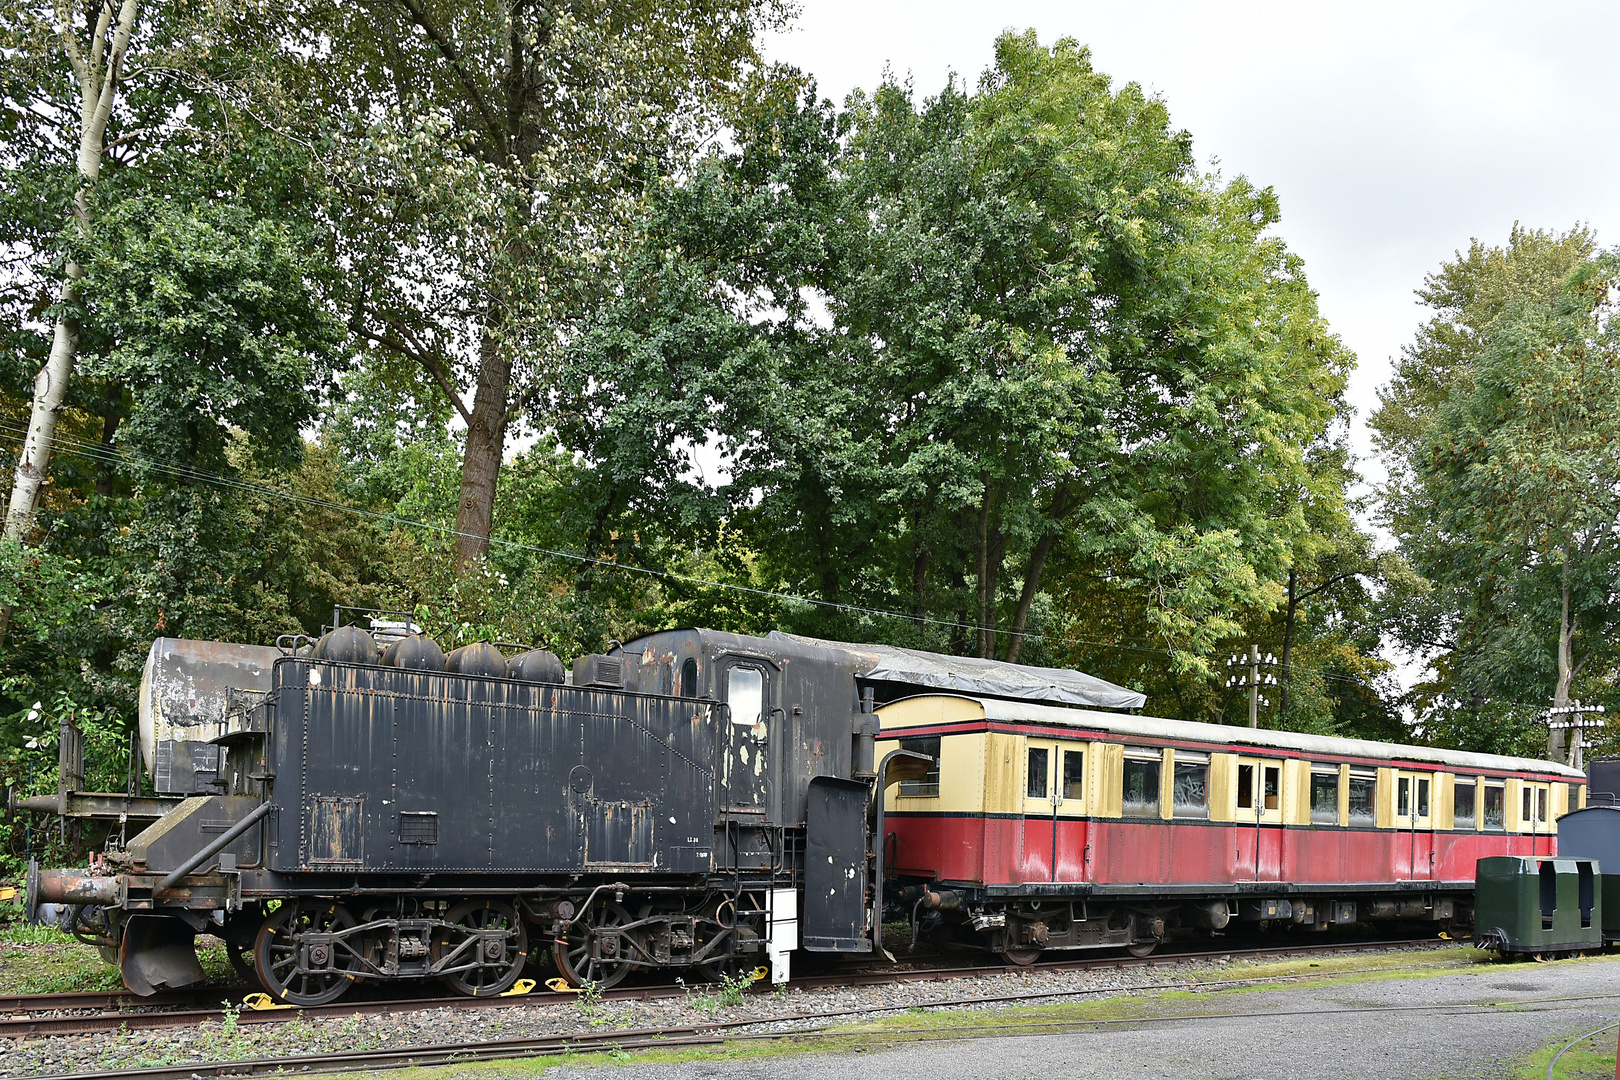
<point>549,1014</point>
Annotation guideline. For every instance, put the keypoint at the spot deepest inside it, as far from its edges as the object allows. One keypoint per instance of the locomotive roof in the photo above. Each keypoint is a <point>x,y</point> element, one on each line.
<point>1155,727</point>
<point>972,675</point>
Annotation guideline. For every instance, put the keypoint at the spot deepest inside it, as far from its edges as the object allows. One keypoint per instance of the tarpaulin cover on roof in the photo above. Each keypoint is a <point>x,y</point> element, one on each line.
<point>972,675</point>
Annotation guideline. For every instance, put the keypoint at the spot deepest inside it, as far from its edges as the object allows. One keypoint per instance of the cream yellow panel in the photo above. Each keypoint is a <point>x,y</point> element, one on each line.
<point>1109,793</point>
<point>1513,812</point>
<point>1222,786</point>
<point>1581,795</point>
<point>1384,800</point>
<point>932,709</point>
<point>1344,794</point>
<point>1002,773</point>
<point>1296,792</point>
<point>1167,784</point>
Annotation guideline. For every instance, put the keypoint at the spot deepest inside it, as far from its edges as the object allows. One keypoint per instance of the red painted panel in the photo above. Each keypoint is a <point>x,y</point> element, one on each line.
<point>1003,851</point>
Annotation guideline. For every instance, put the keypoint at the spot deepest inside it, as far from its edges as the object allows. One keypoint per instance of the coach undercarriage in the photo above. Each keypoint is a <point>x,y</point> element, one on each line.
<point>1022,929</point>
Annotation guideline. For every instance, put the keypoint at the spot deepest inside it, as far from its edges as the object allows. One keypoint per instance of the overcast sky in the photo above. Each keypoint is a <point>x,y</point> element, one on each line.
<point>1392,133</point>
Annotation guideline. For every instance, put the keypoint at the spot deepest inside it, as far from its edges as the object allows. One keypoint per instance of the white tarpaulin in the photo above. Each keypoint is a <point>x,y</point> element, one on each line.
<point>971,675</point>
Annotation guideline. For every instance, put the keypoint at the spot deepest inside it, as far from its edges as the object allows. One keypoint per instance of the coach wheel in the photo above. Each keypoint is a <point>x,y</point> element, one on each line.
<point>1021,957</point>
<point>277,951</point>
<point>590,954</point>
<point>500,960</point>
<point>1142,948</point>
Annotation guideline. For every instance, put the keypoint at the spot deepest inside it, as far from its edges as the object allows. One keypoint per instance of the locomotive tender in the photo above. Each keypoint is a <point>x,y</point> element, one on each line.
<point>708,801</point>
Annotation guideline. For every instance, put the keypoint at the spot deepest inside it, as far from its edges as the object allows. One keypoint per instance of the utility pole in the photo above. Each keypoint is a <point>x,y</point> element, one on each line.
<point>1247,668</point>
<point>1575,718</point>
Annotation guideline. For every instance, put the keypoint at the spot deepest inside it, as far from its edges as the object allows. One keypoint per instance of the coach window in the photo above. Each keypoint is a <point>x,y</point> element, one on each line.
<point>1245,798</point>
<point>1403,797</point>
<point>1141,795</point>
<point>1363,792</point>
<point>689,678</point>
<point>1190,789</point>
<point>1272,779</point>
<point>1325,794</point>
<point>1463,814</point>
<point>1495,808</point>
<point>1039,767</point>
<point>928,786</point>
<point>1423,796</point>
<point>1074,775</point>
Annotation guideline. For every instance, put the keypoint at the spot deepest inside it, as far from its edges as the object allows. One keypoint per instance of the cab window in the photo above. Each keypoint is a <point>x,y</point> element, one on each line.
<point>745,693</point>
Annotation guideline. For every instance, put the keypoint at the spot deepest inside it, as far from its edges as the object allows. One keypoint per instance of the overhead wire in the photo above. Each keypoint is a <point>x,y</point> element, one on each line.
<point>103,454</point>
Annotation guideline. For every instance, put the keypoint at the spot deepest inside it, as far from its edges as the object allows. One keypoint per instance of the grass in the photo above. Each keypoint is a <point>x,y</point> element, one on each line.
<point>1590,1059</point>
<point>44,960</point>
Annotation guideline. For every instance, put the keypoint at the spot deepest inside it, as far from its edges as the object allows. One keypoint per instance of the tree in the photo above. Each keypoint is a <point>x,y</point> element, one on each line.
<point>947,351</point>
<point>490,163</point>
<point>1503,495</point>
<point>94,41</point>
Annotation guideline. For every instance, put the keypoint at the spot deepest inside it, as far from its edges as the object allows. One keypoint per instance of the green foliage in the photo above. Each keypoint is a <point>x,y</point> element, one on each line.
<point>1504,440</point>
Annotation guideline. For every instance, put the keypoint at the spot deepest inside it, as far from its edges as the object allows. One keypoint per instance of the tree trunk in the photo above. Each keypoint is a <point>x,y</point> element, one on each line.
<point>990,544</point>
<point>919,584</point>
<point>97,76</point>
<point>1566,667</point>
<point>1287,672</point>
<point>481,461</point>
<point>1032,585</point>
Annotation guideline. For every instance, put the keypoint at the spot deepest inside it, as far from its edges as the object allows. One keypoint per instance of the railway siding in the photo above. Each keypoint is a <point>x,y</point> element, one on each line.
<point>1120,990</point>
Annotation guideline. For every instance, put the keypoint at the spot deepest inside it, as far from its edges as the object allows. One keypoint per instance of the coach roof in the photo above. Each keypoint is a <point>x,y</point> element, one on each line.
<point>1154,727</point>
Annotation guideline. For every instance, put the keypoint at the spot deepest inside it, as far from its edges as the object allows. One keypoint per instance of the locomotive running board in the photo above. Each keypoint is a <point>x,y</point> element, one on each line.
<point>158,952</point>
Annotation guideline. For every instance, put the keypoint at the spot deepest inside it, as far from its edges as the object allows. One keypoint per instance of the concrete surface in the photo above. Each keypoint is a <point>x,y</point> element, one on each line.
<point>1355,1031</point>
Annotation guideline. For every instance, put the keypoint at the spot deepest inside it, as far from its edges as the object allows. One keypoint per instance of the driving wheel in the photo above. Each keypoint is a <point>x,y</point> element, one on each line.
<point>590,953</point>
<point>1142,948</point>
<point>500,960</point>
<point>281,944</point>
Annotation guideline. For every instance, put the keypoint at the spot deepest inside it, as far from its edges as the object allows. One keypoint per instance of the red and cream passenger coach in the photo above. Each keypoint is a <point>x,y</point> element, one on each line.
<point>1046,827</point>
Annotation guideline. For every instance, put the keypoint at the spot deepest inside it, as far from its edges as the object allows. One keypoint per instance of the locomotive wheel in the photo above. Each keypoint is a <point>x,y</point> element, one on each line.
<point>1021,957</point>
<point>275,952</point>
<point>576,953</point>
<point>1142,948</point>
<point>496,973</point>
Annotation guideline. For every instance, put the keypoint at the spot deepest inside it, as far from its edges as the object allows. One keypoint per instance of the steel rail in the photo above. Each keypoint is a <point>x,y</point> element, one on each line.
<point>30,1025</point>
<point>709,1034</point>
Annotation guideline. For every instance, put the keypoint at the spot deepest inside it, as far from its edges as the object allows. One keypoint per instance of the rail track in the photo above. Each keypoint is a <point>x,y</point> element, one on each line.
<point>818,1027</point>
<point>42,1015</point>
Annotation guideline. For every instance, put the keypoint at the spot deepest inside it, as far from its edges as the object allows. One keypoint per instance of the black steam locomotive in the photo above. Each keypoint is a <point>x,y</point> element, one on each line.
<point>341,812</point>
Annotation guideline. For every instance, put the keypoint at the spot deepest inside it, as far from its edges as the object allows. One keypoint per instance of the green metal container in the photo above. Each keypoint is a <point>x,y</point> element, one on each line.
<point>1537,905</point>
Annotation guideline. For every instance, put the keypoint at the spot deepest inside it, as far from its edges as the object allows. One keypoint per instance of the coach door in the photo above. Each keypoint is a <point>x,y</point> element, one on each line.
<point>1259,801</point>
<point>1055,847</point>
<point>1414,820</point>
